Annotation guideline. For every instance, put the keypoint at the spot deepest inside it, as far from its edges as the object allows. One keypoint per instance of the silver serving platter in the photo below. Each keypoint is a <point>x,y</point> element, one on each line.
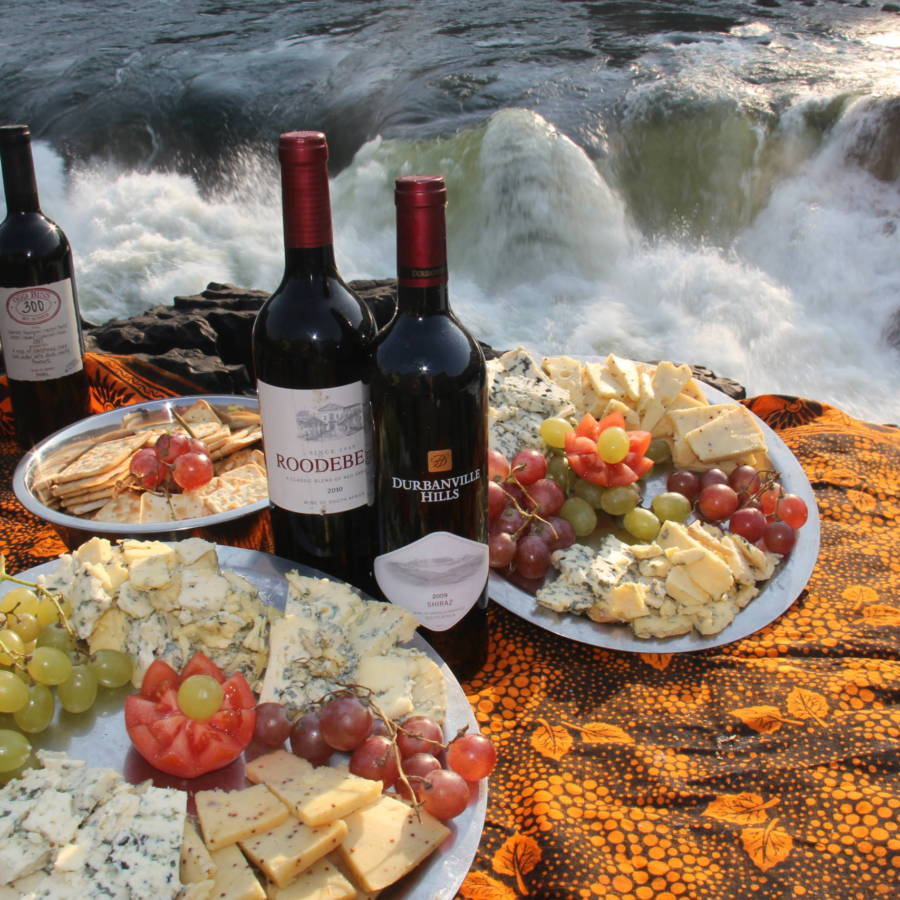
<point>240,527</point>
<point>99,737</point>
<point>774,598</point>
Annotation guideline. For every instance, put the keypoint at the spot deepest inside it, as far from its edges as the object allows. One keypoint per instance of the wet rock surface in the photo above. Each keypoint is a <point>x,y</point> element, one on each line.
<point>206,337</point>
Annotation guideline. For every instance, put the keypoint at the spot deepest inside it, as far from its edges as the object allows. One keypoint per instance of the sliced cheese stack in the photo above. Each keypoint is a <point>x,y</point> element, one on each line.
<point>311,834</point>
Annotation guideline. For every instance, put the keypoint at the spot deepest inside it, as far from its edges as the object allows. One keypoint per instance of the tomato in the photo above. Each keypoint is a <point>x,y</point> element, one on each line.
<point>177,744</point>
<point>639,442</point>
<point>613,419</point>
<point>640,465</point>
<point>619,474</point>
<point>588,427</point>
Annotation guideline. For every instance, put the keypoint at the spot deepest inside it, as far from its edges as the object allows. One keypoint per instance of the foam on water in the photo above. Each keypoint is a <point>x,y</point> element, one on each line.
<point>543,253</point>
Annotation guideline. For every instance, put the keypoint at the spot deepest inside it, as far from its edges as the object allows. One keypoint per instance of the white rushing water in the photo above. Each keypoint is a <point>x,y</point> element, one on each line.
<point>543,253</point>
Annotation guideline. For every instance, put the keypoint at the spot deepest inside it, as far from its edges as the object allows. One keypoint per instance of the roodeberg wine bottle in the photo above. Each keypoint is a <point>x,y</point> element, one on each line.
<point>40,326</point>
<point>310,342</point>
<point>429,402</point>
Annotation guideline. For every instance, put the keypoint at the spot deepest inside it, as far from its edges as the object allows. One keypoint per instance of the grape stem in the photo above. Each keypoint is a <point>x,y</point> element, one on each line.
<point>183,423</point>
<point>529,514</point>
<point>40,590</point>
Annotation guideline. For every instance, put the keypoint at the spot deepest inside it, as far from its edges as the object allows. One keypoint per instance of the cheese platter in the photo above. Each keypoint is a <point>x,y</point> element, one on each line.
<point>284,592</point>
<point>687,584</point>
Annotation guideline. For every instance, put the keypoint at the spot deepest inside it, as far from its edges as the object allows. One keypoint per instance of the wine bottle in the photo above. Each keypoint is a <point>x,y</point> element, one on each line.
<point>429,402</point>
<point>310,344</point>
<point>40,326</point>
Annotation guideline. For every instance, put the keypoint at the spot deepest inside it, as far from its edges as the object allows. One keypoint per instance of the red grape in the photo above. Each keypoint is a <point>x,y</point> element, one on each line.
<point>769,498</point>
<point>547,496</point>
<point>345,723</point>
<point>497,500</point>
<point>518,495</point>
<point>745,480</point>
<point>717,501</point>
<point>779,538</point>
<point>473,756</point>
<point>419,734</point>
<point>379,727</point>
<point>498,466</point>
<point>147,468</point>
<point>565,533</point>
<point>307,741</point>
<point>792,509</point>
<point>684,482</point>
<point>444,794</point>
<point>170,446</point>
<point>748,523</point>
<point>416,768</point>
<point>528,466</point>
<point>712,476</point>
<point>192,470</point>
<point>273,727</point>
<point>501,549</point>
<point>509,521</point>
<point>195,445</point>
<point>532,557</point>
<point>375,759</point>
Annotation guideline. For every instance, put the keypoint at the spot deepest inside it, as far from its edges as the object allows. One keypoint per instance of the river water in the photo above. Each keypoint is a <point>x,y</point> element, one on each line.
<point>711,182</point>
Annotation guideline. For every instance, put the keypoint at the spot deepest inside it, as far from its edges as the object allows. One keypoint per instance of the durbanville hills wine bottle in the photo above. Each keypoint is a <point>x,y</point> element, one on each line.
<point>429,401</point>
<point>310,344</point>
<point>40,326</point>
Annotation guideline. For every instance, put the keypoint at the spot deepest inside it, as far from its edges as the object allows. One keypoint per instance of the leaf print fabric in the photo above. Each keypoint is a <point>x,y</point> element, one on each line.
<point>768,768</point>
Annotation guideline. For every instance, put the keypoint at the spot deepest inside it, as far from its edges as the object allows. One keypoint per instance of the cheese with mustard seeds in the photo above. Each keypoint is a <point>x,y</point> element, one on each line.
<point>286,851</point>
<point>234,878</point>
<point>321,881</point>
<point>387,839</point>
<point>229,817</point>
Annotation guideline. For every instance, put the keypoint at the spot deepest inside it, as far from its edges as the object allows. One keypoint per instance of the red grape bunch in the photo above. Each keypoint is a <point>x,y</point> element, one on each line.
<point>175,457</point>
<point>405,756</point>
<point>754,504</point>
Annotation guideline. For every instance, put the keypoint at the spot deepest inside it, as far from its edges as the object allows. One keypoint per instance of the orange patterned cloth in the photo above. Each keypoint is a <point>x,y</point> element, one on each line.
<point>765,769</point>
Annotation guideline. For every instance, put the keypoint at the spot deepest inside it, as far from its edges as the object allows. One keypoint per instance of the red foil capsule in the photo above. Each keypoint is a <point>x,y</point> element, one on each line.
<point>305,195</point>
<point>421,230</point>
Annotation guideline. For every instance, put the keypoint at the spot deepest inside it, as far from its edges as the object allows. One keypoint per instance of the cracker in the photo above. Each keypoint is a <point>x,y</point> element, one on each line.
<point>232,495</point>
<point>123,508</point>
<point>198,412</point>
<point>101,458</point>
<point>241,458</point>
<point>245,437</point>
<point>155,508</point>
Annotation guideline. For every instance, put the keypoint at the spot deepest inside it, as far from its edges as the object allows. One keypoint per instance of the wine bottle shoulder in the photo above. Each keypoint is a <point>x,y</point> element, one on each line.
<point>29,237</point>
<point>427,345</point>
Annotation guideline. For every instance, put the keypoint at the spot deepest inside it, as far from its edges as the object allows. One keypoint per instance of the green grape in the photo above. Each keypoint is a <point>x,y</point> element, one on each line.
<point>553,431</point>
<point>200,696</point>
<point>37,713</point>
<point>19,599</point>
<point>617,501</point>
<point>49,666</point>
<point>14,750</point>
<point>13,693</point>
<point>56,635</point>
<point>11,647</point>
<point>112,668</point>
<point>580,515</point>
<point>589,491</point>
<point>25,625</point>
<point>642,523</point>
<point>46,611</point>
<point>671,506</point>
<point>559,470</point>
<point>658,451</point>
<point>612,445</point>
<point>79,691</point>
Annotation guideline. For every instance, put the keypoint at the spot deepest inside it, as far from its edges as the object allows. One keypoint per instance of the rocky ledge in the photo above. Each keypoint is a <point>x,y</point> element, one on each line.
<point>206,337</point>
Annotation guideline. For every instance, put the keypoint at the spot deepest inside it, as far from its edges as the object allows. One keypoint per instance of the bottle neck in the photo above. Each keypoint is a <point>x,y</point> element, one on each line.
<point>306,209</point>
<point>19,183</point>
<point>302,262</point>
<point>421,260</point>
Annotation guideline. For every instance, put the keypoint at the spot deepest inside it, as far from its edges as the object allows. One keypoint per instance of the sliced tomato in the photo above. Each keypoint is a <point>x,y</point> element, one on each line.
<point>640,465</point>
<point>579,443</point>
<point>619,474</point>
<point>615,419</point>
<point>158,679</point>
<point>201,664</point>
<point>174,742</point>
<point>598,475</point>
<point>639,442</point>
<point>588,427</point>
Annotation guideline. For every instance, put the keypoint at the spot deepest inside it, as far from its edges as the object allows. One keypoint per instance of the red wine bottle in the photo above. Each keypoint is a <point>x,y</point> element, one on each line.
<point>40,326</point>
<point>310,344</point>
<point>429,402</point>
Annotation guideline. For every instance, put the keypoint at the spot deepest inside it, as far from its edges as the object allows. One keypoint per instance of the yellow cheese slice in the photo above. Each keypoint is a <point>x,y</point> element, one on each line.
<point>712,573</point>
<point>285,851</point>
<point>229,817</point>
<point>731,434</point>
<point>234,878</point>
<point>387,839</point>
<point>321,881</point>
<point>196,863</point>
<point>316,796</point>
<point>626,372</point>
